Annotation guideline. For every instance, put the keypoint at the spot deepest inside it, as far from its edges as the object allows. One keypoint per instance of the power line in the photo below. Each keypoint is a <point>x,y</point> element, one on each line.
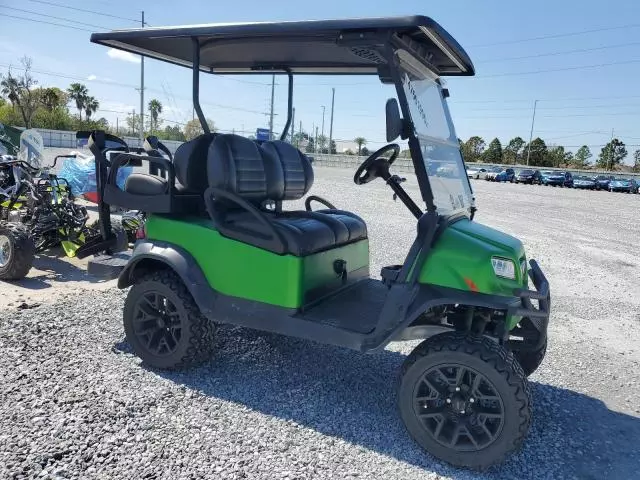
<point>44,22</point>
<point>54,17</point>
<point>564,52</point>
<point>557,35</point>
<point>76,9</point>
<point>125,85</point>
<point>70,77</point>
<point>563,69</point>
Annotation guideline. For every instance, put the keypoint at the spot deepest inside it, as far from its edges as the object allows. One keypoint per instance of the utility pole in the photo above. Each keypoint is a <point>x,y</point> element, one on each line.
<point>333,97</point>
<point>315,144</point>
<point>142,92</point>
<point>293,124</point>
<point>273,86</point>
<point>301,136</point>
<point>535,104</point>
<point>117,127</point>
<point>323,119</point>
<point>610,163</point>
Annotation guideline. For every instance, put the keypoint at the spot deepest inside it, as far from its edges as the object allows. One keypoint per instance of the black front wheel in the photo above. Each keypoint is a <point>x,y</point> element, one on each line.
<point>163,324</point>
<point>465,399</point>
<point>17,251</point>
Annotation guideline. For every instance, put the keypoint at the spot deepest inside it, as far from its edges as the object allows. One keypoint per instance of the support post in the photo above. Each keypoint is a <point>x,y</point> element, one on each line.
<point>531,133</point>
<point>273,86</point>
<point>196,86</point>
<point>333,97</point>
<point>142,92</point>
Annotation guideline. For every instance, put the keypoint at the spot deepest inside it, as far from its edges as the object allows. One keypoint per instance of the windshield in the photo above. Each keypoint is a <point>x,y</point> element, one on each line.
<point>438,142</point>
<point>526,172</point>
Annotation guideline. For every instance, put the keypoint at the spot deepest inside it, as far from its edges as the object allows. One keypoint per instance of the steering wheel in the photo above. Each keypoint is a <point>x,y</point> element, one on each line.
<point>376,165</point>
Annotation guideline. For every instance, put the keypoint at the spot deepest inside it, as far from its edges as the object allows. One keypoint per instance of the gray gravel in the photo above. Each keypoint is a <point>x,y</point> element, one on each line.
<point>75,403</point>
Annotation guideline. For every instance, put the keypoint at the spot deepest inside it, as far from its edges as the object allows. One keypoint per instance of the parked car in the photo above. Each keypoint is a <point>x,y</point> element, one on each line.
<point>492,173</point>
<point>477,173</point>
<point>506,175</point>
<point>629,185</point>
<point>529,176</point>
<point>584,182</point>
<point>602,182</point>
<point>562,179</point>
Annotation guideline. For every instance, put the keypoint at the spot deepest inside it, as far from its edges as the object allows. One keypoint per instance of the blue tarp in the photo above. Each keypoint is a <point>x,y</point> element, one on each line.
<point>80,172</point>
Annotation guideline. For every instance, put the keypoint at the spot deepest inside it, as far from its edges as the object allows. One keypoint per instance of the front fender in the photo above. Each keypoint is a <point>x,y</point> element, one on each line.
<point>148,255</point>
<point>421,300</point>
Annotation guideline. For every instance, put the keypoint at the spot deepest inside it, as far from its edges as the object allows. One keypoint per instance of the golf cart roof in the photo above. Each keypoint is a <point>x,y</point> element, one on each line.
<point>349,46</point>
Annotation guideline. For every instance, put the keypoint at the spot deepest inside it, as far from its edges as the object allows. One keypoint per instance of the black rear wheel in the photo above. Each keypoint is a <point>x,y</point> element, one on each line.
<point>17,251</point>
<point>465,399</point>
<point>164,325</point>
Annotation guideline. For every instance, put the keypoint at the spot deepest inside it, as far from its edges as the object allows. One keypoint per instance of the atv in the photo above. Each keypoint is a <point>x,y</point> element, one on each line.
<point>38,211</point>
<point>221,246</point>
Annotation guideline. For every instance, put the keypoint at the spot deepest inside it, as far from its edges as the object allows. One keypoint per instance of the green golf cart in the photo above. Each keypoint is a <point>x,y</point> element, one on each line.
<point>221,246</point>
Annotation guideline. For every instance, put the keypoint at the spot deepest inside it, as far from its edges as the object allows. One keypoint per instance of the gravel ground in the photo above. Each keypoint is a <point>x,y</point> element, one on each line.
<point>75,403</point>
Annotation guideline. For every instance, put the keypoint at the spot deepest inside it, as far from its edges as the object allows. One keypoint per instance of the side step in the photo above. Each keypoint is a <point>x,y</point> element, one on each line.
<point>108,267</point>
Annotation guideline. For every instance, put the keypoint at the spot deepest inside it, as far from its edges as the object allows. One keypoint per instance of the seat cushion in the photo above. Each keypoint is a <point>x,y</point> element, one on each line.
<point>144,184</point>
<point>303,233</point>
<point>355,226</point>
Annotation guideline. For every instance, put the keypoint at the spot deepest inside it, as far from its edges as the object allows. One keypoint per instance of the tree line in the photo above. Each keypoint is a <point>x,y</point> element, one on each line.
<point>539,154</point>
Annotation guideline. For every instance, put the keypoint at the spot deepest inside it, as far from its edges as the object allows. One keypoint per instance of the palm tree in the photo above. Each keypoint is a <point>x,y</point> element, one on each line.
<point>91,105</point>
<point>360,141</point>
<point>155,108</point>
<point>53,98</point>
<point>11,88</point>
<point>78,93</point>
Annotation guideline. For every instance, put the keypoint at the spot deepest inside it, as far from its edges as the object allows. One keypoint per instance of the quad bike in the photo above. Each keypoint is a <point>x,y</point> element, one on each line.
<point>220,245</point>
<point>38,213</point>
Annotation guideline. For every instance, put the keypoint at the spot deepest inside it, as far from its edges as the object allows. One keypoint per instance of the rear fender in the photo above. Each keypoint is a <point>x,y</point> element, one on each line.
<point>149,256</point>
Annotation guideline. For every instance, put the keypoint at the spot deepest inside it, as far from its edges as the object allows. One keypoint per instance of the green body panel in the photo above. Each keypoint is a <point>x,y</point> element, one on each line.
<point>461,259</point>
<point>241,270</point>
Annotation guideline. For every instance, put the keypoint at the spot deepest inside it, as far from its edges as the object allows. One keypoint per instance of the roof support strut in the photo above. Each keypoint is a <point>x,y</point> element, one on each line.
<point>285,131</point>
<point>196,85</point>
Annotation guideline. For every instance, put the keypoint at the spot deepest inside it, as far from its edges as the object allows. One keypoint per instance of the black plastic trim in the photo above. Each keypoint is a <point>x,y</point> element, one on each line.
<point>273,242</point>
<point>160,203</point>
<point>315,198</point>
<point>181,262</point>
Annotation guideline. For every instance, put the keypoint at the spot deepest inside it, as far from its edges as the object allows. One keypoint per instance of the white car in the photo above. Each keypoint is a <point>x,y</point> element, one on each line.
<point>477,173</point>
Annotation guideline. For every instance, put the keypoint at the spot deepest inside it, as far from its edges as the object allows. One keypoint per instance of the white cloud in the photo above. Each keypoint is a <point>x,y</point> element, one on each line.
<point>121,55</point>
<point>94,78</point>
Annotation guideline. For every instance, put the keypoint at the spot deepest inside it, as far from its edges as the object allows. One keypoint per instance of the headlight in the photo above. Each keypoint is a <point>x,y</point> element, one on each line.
<point>503,267</point>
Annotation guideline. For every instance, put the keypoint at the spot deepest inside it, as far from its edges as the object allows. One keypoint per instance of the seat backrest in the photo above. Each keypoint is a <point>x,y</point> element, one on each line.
<point>271,171</point>
<point>190,162</point>
<point>296,168</point>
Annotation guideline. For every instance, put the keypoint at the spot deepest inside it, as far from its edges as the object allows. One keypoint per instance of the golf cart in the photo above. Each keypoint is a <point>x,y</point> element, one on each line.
<point>221,246</point>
